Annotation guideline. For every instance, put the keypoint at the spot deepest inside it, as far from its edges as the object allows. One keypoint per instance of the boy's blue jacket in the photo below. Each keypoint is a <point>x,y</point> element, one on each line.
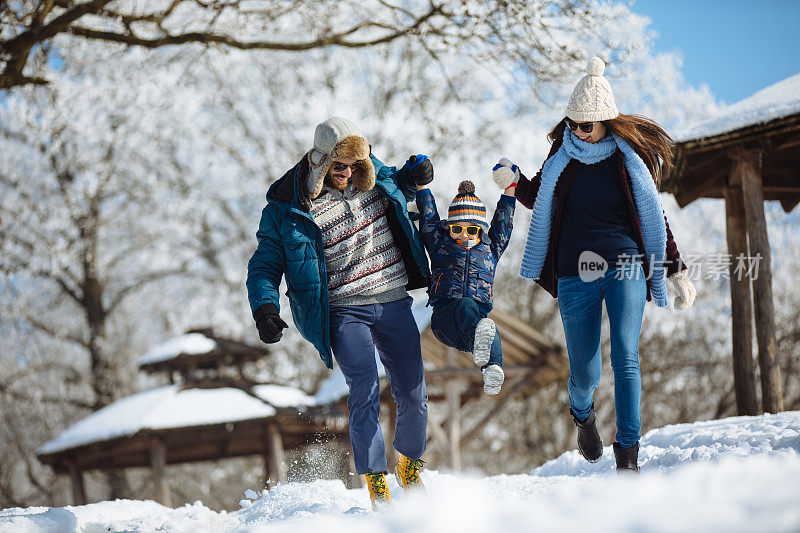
<point>456,271</point>
<point>290,243</point>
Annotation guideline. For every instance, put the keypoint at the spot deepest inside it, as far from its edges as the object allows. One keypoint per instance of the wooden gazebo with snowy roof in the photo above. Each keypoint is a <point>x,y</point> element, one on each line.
<point>748,153</point>
<point>214,412</point>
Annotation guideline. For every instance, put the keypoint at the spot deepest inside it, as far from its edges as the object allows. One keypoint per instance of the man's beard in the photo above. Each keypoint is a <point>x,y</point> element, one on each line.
<point>337,181</point>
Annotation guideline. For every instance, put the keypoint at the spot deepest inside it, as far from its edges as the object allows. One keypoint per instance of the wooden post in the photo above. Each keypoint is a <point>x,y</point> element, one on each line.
<point>744,380</point>
<point>268,481</point>
<point>453,413</point>
<point>436,435</point>
<point>158,463</point>
<point>348,474</point>
<point>747,168</point>
<point>391,453</point>
<point>277,467</point>
<point>358,480</point>
<point>512,390</point>
<point>78,488</point>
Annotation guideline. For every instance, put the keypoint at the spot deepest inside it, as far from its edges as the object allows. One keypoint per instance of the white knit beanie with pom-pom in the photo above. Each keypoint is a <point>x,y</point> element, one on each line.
<point>592,100</point>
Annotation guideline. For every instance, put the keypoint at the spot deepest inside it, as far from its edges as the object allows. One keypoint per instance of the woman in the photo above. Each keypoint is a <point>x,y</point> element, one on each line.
<point>597,228</point>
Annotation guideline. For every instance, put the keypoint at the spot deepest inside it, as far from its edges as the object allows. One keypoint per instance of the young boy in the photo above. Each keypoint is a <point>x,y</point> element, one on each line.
<point>464,252</point>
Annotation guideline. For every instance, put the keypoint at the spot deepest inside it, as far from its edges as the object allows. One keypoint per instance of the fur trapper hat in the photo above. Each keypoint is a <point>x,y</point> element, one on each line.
<point>334,140</point>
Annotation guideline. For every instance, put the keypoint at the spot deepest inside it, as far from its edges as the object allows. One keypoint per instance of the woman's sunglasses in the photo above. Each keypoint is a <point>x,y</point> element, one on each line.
<point>586,127</point>
<point>339,167</point>
<point>457,229</point>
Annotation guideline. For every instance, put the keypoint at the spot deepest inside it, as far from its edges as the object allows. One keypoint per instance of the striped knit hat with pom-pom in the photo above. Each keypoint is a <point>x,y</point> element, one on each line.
<point>466,208</point>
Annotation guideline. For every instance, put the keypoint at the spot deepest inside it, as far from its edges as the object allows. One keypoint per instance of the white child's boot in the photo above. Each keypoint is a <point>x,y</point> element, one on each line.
<point>484,337</point>
<point>493,377</point>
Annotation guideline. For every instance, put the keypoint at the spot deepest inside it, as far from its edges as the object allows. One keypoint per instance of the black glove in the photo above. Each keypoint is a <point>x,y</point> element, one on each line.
<point>420,169</point>
<point>269,323</point>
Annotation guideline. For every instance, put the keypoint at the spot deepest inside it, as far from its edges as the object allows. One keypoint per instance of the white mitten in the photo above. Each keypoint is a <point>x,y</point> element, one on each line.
<point>505,173</point>
<point>685,289</point>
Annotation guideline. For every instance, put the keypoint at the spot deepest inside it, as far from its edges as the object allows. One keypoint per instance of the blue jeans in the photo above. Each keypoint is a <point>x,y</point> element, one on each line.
<point>454,325</point>
<point>580,305</point>
<point>356,332</point>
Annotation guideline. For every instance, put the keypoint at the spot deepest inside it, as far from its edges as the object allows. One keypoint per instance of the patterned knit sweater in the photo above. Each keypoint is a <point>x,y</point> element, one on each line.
<point>363,264</point>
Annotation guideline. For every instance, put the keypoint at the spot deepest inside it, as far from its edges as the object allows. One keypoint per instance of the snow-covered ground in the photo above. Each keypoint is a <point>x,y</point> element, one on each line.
<point>737,474</point>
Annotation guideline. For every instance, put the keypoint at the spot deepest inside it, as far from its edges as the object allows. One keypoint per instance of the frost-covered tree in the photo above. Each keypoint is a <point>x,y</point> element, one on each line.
<point>131,183</point>
<point>536,34</point>
<point>105,194</point>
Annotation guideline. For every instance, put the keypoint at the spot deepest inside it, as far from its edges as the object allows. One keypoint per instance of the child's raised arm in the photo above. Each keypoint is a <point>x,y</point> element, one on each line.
<point>428,217</point>
<point>502,223</point>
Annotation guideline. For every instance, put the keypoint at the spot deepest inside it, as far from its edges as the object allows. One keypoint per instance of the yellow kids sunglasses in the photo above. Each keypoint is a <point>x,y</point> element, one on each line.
<point>470,230</point>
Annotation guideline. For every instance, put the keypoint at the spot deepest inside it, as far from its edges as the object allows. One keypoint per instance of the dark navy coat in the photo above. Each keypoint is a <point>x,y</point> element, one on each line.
<point>458,272</point>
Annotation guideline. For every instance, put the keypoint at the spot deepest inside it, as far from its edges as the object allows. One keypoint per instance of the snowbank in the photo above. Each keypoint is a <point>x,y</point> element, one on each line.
<point>737,474</point>
<point>671,446</point>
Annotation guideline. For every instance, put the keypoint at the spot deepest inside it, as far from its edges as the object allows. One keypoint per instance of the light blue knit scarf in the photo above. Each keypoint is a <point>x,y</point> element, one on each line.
<point>645,195</point>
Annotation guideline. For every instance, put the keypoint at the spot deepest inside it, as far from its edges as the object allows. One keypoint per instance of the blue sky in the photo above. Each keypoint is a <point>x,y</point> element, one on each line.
<point>736,47</point>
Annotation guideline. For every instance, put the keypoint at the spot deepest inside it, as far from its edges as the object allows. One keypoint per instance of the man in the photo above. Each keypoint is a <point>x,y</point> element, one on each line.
<point>337,226</point>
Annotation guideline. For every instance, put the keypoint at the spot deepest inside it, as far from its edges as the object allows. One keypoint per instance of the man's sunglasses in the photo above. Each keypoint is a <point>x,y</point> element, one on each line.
<point>457,229</point>
<point>586,127</point>
<point>339,167</point>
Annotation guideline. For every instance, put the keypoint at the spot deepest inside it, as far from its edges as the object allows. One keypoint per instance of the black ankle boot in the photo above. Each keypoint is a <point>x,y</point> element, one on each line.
<point>627,458</point>
<point>589,442</point>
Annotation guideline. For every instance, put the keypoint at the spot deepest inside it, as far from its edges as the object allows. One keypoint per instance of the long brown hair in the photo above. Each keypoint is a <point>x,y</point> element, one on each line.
<point>646,137</point>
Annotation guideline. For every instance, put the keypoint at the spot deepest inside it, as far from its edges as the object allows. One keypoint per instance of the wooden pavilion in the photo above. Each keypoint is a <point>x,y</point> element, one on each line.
<point>212,410</point>
<point>747,154</point>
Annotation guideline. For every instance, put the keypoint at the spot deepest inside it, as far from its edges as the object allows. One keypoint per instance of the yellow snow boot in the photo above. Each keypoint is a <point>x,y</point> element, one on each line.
<point>378,490</point>
<point>408,471</point>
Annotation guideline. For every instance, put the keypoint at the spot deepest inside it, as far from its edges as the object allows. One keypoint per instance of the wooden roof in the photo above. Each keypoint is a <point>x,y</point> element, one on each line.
<point>702,165</point>
<point>204,443</point>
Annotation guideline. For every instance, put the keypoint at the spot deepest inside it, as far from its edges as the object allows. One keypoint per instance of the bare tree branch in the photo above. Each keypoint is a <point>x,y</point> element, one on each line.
<point>141,282</point>
<point>338,39</point>
<point>16,50</point>
<point>44,328</point>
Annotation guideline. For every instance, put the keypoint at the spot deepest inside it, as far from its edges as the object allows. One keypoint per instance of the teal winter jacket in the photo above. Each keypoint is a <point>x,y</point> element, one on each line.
<point>290,244</point>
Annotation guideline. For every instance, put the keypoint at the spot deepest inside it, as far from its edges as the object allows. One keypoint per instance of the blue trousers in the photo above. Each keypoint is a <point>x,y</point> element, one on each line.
<point>580,305</point>
<point>356,332</point>
<point>454,325</point>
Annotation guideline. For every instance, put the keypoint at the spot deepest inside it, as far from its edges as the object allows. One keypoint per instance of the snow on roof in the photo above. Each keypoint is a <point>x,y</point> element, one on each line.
<point>190,344</point>
<point>281,396</point>
<point>170,407</point>
<point>335,387</point>
<point>776,101</point>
